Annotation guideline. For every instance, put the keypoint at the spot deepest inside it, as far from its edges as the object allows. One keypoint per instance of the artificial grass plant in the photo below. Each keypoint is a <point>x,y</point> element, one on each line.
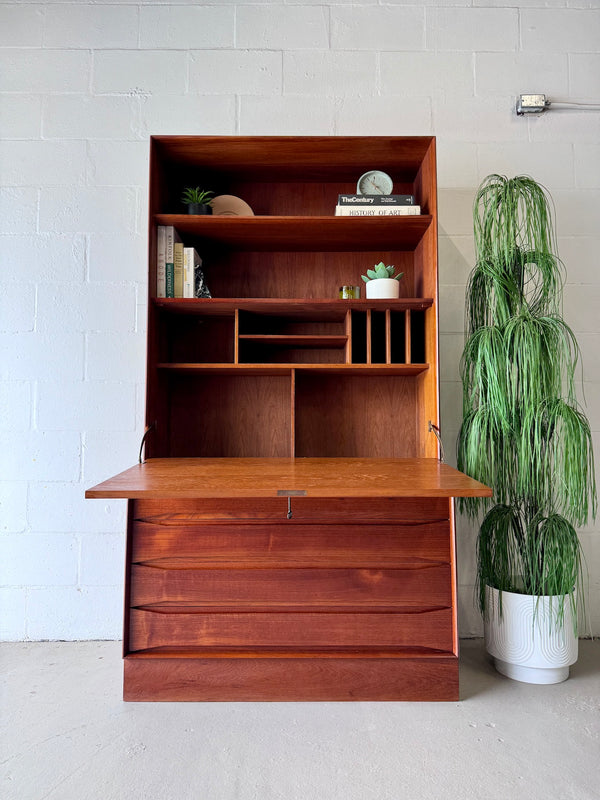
<point>522,431</point>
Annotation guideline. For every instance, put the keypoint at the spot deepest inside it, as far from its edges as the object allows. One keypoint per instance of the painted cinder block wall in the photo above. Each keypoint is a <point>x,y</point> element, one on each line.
<point>83,86</point>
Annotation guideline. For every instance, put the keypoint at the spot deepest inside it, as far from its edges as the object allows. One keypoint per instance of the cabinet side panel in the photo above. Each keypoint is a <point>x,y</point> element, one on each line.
<point>130,535</point>
<point>157,442</point>
<point>426,282</point>
<point>454,576</point>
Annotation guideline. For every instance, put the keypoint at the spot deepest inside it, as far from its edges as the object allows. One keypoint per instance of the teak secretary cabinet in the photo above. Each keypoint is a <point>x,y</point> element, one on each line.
<point>290,533</point>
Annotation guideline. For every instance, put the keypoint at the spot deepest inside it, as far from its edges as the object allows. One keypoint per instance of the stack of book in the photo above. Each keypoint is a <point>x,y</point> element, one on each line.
<point>176,265</point>
<point>375,205</point>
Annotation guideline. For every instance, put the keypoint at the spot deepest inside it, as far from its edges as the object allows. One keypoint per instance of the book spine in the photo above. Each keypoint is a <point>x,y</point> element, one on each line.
<point>171,237</point>
<point>188,271</point>
<point>191,260</point>
<point>178,269</point>
<point>376,200</point>
<point>161,286</point>
<point>377,211</point>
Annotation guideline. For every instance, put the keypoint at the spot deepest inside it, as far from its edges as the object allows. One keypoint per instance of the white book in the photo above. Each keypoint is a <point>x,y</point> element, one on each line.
<point>191,260</point>
<point>377,211</point>
<point>161,272</point>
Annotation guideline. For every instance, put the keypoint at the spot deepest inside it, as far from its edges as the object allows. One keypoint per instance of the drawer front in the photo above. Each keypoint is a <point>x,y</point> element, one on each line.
<point>424,586</point>
<point>431,629</point>
<point>291,545</point>
<point>304,509</point>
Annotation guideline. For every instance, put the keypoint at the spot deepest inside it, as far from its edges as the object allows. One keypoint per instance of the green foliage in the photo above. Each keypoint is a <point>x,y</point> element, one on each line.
<point>196,196</point>
<point>522,432</point>
<point>540,557</point>
<point>381,271</point>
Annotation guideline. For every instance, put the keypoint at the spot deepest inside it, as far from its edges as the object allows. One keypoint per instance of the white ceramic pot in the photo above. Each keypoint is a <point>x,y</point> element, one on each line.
<point>525,641</point>
<point>383,289</point>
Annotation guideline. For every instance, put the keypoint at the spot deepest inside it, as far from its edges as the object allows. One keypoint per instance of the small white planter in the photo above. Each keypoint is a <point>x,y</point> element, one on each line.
<point>383,289</point>
<point>525,641</point>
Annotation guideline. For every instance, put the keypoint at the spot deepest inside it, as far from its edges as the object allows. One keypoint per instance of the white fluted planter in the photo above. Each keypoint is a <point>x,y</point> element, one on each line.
<point>383,289</point>
<point>525,641</point>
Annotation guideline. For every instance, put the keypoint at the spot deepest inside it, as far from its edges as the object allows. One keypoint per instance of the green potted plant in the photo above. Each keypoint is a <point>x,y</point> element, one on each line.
<point>524,435</point>
<point>381,282</point>
<point>198,201</point>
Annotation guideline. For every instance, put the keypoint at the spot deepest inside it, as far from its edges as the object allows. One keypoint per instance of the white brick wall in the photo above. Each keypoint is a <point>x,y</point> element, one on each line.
<point>82,87</point>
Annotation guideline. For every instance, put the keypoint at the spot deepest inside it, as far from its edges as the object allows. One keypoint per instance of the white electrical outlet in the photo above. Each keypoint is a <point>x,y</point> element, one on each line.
<point>531,104</point>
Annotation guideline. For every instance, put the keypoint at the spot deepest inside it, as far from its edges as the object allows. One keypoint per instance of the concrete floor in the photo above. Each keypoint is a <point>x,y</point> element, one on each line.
<point>67,735</point>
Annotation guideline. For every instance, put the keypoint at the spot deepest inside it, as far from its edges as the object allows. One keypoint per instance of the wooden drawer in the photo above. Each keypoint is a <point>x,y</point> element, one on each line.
<point>428,629</point>
<point>423,586</point>
<point>331,510</point>
<point>261,544</point>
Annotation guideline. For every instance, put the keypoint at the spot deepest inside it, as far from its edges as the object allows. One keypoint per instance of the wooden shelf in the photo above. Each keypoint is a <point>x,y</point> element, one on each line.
<point>303,234</point>
<point>258,159</point>
<point>326,310</point>
<point>294,340</point>
<point>285,369</point>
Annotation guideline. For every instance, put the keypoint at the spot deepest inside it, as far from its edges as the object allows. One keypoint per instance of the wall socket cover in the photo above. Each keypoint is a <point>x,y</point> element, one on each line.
<point>531,103</point>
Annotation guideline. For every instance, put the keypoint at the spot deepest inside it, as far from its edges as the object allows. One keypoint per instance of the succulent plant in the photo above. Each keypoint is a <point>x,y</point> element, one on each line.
<point>196,196</point>
<point>381,271</point>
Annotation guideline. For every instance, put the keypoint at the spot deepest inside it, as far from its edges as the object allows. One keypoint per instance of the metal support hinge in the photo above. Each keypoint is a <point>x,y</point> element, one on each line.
<point>143,442</point>
<point>438,435</point>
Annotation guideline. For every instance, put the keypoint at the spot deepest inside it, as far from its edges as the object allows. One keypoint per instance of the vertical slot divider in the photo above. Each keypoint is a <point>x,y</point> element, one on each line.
<point>388,336</point>
<point>236,336</point>
<point>293,413</point>
<point>368,335</point>
<point>348,327</point>
<point>407,342</point>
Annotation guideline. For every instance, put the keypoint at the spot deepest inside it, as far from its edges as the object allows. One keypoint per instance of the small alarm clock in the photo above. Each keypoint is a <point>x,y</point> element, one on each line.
<point>374,182</point>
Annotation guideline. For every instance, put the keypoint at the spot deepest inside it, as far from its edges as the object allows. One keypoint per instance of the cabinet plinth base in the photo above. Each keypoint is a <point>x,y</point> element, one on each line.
<point>261,679</point>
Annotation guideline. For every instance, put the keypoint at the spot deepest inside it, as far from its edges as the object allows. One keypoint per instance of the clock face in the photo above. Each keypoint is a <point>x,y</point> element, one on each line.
<point>374,182</point>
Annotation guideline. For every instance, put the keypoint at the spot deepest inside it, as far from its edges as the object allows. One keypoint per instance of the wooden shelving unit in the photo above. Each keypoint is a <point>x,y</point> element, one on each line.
<point>290,533</point>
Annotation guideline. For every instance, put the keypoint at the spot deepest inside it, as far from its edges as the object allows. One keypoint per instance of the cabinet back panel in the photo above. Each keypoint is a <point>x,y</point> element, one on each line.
<point>251,353</point>
<point>280,198</point>
<point>352,416</point>
<point>230,416</point>
<point>269,324</point>
<point>291,275</point>
<point>200,340</point>
<point>299,198</point>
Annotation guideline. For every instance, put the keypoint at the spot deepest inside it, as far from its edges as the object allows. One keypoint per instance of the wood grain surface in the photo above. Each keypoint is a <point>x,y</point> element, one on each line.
<point>272,477</point>
<point>428,629</point>
<point>422,585</point>
<point>352,676</point>
<point>185,546</point>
